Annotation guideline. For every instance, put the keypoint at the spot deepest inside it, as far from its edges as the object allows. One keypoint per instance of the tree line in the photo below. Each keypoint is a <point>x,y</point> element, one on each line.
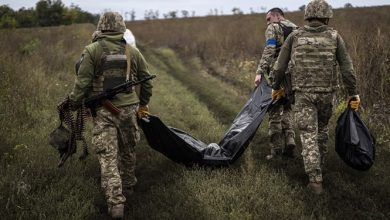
<point>54,13</point>
<point>45,13</point>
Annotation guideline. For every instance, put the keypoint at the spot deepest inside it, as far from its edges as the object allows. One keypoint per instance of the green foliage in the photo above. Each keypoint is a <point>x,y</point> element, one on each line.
<point>31,47</point>
<point>46,13</point>
<point>7,17</point>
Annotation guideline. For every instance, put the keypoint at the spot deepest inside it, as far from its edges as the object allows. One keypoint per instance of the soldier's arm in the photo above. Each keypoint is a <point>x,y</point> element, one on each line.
<point>269,51</point>
<point>346,67</point>
<point>142,71</point>
<point>281,64</point>
<point>84,77</point>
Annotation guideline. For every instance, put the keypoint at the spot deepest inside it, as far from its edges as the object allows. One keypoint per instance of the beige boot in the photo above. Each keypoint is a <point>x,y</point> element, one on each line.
<point>117,211</point>
<point>316,187</point>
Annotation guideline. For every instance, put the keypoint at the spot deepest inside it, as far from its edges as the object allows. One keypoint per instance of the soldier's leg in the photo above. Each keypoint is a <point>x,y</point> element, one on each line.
<point>275,132</point>
<point>129,137</point>
<point>288,131</point>
<point>307,122</point>
<point>326,109</point>
<point>105,143</point>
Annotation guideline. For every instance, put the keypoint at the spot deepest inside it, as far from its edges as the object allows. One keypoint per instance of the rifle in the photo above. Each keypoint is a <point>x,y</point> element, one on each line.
<point>287,85</point>
<point>103,99</point>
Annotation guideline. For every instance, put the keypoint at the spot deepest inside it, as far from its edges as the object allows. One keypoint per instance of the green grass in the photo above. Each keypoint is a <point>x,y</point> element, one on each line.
<point>32,187</point>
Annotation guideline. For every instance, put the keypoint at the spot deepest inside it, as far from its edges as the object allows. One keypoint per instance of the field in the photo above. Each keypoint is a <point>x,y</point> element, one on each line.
<point>205,69</point>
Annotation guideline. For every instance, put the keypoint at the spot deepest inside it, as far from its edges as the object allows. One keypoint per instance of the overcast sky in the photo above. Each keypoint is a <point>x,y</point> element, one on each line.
<point>200,7</point>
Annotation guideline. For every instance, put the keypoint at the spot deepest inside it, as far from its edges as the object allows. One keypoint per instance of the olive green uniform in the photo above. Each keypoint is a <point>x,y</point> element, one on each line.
<point>314,52</point>
<point>280,118</point>
<point>114,136</point>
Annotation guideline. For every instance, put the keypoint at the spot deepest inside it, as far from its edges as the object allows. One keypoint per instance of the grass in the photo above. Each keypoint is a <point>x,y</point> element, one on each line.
<point>186,97</point>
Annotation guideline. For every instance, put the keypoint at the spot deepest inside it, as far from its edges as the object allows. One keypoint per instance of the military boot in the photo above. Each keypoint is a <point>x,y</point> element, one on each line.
<point>128,192</point>
<point>275,153</point>
<point>290,145</point>
<point>276,142</point>
<point>117,211</point>
<point>315,187</point>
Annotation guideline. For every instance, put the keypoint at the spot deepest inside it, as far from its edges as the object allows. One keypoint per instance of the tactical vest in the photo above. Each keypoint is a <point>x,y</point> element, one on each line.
<point>114,69</point>
<point>313,60</point>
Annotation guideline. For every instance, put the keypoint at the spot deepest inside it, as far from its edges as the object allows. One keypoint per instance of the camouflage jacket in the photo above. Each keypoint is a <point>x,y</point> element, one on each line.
<point>319,64</point>
<point>274,37</point>
<point>89,69</point>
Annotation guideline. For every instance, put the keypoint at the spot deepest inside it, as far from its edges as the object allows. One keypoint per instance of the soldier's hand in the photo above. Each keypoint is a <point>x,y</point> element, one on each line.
<point>354,102</point>
<point>257,79</point>
<point>278,94</point>
<point>143,111</point>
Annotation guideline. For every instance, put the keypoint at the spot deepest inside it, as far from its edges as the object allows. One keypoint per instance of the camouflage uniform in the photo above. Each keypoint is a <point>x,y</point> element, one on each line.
<point>104,64</point>
<point>314,52</point>
<point>280,118</point>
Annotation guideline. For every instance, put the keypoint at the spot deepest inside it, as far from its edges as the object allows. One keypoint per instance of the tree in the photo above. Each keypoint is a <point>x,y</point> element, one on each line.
<point>185,13</point>
<point>49,12</point>
<point>7,17</point>
<point>302,8</point>
<point>237,11</point>
<point>26,17</point>
<point>348,5</point>
<point>132,14</point>
<point>170,14</point>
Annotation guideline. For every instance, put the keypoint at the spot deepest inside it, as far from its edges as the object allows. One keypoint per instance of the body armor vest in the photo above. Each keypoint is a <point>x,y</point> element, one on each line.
<point>313,60</point>
<point>113,71</point>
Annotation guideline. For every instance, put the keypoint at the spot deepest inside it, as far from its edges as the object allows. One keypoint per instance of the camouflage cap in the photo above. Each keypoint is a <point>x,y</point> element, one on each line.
<point>111,21</point>
<point>318,9</point>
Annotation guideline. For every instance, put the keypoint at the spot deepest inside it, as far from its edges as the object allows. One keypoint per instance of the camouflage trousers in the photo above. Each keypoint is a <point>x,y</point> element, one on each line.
<point>280,126</point>
<point>312,113</point>
<point>114,139</point>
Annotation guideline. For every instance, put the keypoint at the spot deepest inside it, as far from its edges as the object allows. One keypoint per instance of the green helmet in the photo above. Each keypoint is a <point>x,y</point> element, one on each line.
<point>59,139</point>
<point>111,21</point>
<point>318,9</point>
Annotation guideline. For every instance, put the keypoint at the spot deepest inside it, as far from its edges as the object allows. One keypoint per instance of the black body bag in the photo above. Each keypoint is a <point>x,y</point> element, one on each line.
<point>354,142</point>
<point>183,148</point>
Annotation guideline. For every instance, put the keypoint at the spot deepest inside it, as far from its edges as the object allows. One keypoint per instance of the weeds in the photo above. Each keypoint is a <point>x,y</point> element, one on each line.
<point>186,97</point>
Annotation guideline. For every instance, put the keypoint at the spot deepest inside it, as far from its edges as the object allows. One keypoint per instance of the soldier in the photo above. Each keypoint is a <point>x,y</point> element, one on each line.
<point>280,118</point>
<point>314,52</point>
<point>105,63</point>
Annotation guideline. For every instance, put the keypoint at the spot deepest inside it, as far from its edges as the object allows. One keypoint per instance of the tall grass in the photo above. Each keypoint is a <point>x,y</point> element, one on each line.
<point>37,71</point>
<point>231,46</point>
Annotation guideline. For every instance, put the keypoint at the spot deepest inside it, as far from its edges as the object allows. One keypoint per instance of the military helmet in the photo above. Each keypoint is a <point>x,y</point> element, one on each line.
<point>111,21</point>
<point>59,139</point>
<point>318,9</point>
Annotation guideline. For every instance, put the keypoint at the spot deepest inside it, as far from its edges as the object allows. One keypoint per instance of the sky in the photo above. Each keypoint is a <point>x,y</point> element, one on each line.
<point>200,7</point>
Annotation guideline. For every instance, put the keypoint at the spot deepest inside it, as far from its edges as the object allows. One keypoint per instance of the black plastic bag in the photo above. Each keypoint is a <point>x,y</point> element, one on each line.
<point>354,142</point>
<point>182,148</point>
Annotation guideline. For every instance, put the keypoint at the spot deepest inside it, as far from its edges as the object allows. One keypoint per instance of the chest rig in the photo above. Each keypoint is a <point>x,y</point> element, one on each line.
<point>314,61</point>
<point>114,69</point>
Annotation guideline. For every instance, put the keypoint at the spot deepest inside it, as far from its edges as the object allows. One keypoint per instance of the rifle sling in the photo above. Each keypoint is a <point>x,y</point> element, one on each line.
<point>109,106</point>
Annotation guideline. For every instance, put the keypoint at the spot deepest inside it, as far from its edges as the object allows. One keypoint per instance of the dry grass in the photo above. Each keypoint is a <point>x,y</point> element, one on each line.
<point>37,71</point>
<point>229,46</point>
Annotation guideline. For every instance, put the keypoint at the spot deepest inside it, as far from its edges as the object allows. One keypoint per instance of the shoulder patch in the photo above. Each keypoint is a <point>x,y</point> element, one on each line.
<point>272,42</point>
